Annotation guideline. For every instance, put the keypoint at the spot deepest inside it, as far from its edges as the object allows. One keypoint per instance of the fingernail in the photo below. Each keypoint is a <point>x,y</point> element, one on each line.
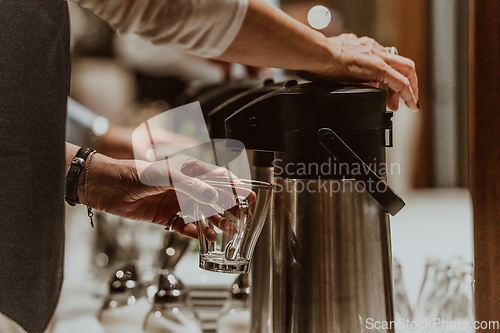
<point>213,235</point>
<point>208,194</point>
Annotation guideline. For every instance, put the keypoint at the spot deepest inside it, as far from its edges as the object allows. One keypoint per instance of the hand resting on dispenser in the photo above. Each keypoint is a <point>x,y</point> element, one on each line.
<point>277,40</point>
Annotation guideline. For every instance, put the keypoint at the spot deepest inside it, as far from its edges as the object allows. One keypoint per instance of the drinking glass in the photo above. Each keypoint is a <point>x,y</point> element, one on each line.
<point>458,307</point>
<point>447,296</point>
<point>433,291</point>
<point>229,229</point>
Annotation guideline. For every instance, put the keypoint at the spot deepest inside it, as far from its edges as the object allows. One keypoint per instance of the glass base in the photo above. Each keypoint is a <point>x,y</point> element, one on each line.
<point>216,263</point>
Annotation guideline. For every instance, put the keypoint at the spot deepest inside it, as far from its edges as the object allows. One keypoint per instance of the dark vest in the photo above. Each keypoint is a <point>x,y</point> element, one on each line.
<point>34,83</point>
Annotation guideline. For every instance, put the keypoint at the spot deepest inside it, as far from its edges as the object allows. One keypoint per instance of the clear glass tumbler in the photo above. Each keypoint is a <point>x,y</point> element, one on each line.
<point>229,229</point>
<point>447,297</point>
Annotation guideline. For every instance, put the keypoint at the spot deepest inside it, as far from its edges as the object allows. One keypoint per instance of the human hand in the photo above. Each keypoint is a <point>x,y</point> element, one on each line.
<point>154,192</point>
<point>235,196</point>
<point>366,61</point>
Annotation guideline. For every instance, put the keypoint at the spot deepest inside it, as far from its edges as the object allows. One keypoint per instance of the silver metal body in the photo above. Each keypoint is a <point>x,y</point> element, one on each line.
<point>331,266</point>
<point>260,271</point>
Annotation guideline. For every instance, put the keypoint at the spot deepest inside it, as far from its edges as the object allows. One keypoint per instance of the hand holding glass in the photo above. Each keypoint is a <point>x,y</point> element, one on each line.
<point>235,221</point>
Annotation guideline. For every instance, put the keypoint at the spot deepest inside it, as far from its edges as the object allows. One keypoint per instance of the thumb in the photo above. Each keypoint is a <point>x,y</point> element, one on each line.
<point>195,188</point>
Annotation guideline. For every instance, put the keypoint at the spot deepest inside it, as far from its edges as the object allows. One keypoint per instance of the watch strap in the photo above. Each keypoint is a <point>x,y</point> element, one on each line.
<point>73,176</point>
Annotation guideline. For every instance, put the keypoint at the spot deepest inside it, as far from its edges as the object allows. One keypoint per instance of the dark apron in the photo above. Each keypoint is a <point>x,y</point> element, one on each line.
<point>34,83</point>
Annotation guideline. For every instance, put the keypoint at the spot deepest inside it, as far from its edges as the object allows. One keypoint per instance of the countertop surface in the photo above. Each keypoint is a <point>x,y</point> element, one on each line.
<point>435,223</point>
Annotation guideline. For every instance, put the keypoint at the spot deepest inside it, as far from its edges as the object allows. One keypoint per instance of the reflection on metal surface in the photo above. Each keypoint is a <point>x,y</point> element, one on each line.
<point>402,307</point>
<point>331,261</point>
<point>260,272</point>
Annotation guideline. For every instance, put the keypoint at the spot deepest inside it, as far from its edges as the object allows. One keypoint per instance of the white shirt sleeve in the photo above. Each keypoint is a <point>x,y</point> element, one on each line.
<point>202,27</point>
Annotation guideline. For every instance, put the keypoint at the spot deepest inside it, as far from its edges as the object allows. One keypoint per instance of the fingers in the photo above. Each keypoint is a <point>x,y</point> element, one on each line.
<point>235,211</point>
<point>168,176</point>
<point>191,230</point>
<point>208,231</point>
<point>162,175</point>
<point>224,181</point>
<point>400,84</point>
<point>182,228</point>
<point>193,167</point>
<point>365,60</point>
<point>372,43</point>
<point>400,76</point>
<point>202,188</point>
<point>225,225</point>
<point>376,69</point>
<point>207,220</point>
<point>202,181</point>
<point>227,194</point>
<point>406,67</point>
<point>203,213</point>
<point>195,188</point>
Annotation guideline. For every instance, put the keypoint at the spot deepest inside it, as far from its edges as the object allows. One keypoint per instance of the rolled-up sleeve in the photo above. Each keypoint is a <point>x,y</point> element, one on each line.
<point>202,27</point>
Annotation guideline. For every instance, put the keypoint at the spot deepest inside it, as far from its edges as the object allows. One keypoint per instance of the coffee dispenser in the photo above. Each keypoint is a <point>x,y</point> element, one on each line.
<point>331,252</point>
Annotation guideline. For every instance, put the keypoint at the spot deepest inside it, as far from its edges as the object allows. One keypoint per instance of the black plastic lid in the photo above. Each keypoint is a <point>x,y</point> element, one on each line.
<point>286,121</point>
<point>218,115</point>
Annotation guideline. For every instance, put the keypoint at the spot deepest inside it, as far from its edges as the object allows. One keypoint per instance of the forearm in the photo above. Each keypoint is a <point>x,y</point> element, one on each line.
<point>114,186</point>
<point>256,33</point>
<point>270,38</point>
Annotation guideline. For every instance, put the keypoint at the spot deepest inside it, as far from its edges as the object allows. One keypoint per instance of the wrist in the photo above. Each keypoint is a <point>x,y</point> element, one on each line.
<point>104,174</point>
<point>279,41</point>
<point>325,56</point>
<point>75,170</point>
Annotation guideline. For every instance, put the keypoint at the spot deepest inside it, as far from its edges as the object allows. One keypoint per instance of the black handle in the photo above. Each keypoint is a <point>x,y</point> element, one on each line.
<point>377,188</point>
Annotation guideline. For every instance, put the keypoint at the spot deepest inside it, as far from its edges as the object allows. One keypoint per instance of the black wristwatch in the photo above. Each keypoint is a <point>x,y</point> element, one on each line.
<point>73,175</point>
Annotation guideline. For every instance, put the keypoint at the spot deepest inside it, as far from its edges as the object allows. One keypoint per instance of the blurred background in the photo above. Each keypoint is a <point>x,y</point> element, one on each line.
<point>128,80</point>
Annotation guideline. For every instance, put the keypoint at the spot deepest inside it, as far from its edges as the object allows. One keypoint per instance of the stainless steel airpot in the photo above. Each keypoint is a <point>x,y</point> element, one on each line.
<point>330,240</point>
